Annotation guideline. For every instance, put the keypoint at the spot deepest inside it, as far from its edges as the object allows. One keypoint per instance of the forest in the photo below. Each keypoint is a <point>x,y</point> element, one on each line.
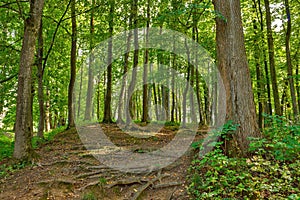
<point>141,99</point>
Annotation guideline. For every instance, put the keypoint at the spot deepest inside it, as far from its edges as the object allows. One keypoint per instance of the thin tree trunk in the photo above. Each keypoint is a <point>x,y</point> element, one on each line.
<point>145,74</point>
<point>272,59</point>
<point>89,95</point>
<point>269,102</point>
<point>41,126</point>
<point>130,112</point>
<point>155,102</point>
<point>47,114</point>
<point>71,113</point>
<point>298,87</point>
<point>125,69</point>
<point>289,60</point>
<point>173,85</point>
<point>23,132</point>
<point>184,111</point>
<point>258,77</point>
<point>80,92</point>
<point>107,104</point>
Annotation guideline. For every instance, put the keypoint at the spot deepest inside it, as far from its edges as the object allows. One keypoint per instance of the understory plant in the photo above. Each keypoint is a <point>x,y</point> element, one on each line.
<point>271,172</point>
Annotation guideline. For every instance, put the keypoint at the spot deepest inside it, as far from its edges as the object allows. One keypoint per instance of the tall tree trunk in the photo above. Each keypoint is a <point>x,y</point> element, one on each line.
<point>289,60</point>
<point>260,89</point>
<point>47,111</point>
<point>107,104</point>
<point>80,92</point>
<point>201,122</point>
<point>173,85</point>
<point>129,109</point>
<point>89,95</point>
<point>233,66</point>
<point>71,113</point>
<point>23,129</point>
<point>186,89</point>
<point>297,86</point>
<point>272,59</point>
<point>269,102</point>
<point>41,126</point>
<point>146,63</point>
<point>125,69</point>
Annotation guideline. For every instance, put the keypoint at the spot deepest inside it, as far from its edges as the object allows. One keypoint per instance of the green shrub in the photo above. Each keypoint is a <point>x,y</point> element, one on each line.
<point>6,146</point>
<point>272,172</point>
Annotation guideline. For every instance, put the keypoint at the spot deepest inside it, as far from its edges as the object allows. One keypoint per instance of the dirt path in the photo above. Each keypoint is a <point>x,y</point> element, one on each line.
<point>68,171</point>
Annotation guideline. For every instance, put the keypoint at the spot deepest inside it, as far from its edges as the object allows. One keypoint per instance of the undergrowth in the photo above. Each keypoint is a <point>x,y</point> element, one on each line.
<point>7,148</point>
<point>272,172</point>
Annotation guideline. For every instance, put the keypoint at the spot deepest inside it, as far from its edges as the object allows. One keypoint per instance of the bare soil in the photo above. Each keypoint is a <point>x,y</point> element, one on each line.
<point>66,170</point>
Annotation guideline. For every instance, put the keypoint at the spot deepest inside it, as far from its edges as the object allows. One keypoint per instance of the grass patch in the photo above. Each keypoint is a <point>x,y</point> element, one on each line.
<point>7,141</point>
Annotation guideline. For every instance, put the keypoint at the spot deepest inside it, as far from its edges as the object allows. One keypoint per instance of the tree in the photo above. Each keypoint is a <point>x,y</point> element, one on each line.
<point>89,95</point>
<point>23,128</point>
<point>289,60</point>
<point>233,66</point>
<point>71,113</point>
<point>107,103</point>
<point>278,110</point>
<point>129,104</point>
<point>40,51</point>
<point>145,75</point>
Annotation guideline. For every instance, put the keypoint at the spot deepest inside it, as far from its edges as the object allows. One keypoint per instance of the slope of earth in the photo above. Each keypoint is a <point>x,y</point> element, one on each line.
<point>66,170</point>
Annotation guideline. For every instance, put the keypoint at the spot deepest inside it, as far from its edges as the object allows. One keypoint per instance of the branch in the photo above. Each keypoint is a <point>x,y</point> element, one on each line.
<point>10,3</point>
<point>20,10</point>
<point>9,78</point>
<point>83,12</point>
<point>54,35</point>
<point>54,20</point>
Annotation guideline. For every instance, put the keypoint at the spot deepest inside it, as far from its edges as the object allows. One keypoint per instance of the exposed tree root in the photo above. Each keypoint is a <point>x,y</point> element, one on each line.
<point>126,182</point>
<point>64,181</point>
<point>164,185</point>
<point>89,185</point>
<point>89,174</point>
<point>150,182</point>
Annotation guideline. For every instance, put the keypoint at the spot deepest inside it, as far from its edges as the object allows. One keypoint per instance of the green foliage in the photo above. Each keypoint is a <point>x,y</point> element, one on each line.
<point>89,196</point>
<point>5,170</point>
<point>7,141</point>
<point>102,181</point>
<point>48,136</point>
<point>264,175</point>
<point>6,144</point>
<point>281,140</point>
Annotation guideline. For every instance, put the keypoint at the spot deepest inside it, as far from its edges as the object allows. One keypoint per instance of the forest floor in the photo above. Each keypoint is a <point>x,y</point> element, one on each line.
<point>66,170</point>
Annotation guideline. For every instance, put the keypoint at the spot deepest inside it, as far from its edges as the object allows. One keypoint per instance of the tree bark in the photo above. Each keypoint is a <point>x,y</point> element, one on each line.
<point>272,60</point>
<point>186,89</point>
<point>145,74</point>
<point>233,66</point>
<point>129,104</point>
<point>261,21</point>
<point>23,129</point>
<point>107,104</point>
<point>289,60</point>
<point>297,86</point>
<point>41,126</point>
<point>71,113</point>
<point>89,95</point>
